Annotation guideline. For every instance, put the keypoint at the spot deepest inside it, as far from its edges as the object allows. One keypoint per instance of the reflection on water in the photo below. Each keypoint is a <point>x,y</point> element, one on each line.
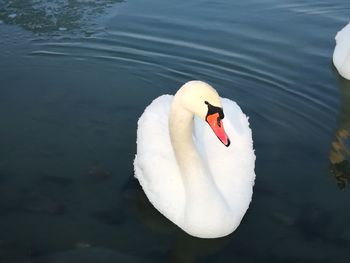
<point>340,151</point>
<point>49,16</point>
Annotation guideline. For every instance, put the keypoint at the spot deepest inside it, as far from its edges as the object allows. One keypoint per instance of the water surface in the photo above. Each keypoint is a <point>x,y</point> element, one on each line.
<point>76,75</point>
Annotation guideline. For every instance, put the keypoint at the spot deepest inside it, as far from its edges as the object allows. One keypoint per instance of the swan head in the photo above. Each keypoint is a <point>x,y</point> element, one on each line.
<point>202,100</point>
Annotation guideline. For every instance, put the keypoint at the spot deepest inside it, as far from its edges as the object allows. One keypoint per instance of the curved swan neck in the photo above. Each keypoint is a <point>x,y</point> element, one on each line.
<point>191,99</point>
<point>180,128</point>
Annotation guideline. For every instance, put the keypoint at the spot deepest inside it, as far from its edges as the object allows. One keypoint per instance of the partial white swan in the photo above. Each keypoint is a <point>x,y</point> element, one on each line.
<point>341,55</point>
<point>201,182</point>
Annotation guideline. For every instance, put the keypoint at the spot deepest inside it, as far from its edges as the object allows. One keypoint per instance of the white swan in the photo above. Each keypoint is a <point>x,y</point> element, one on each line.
<point>189,175</point>
<point>341,55</point>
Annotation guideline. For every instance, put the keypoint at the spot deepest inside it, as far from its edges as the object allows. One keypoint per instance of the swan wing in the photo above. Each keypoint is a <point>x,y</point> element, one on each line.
<point>155,164</point>
<point>232,168</point>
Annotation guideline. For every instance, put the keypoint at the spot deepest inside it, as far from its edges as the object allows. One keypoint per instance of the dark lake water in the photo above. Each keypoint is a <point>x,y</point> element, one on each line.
<point>76,75</point>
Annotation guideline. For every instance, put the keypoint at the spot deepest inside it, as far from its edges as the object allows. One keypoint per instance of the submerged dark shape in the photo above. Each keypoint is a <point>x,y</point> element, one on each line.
<point>42,16</point>
<point>339,156</point>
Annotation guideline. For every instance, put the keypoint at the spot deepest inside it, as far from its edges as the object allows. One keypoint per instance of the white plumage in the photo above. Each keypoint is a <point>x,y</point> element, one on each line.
<point>196,182</point>
<point>341,55</point>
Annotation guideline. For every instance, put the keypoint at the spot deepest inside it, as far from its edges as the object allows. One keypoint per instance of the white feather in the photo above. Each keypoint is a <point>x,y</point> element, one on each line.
<point>341,55</point>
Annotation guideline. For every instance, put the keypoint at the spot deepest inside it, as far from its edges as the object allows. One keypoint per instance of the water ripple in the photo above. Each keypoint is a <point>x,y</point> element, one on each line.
<point>48,53</point>
<point>249,65</point>
<point>153,50</point>
<point>320,8</point>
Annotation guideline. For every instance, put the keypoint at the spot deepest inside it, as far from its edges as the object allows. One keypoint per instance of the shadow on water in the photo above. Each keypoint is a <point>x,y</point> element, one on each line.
<point>339,156</point>
<point>184,247</point>
<point>40,16</point>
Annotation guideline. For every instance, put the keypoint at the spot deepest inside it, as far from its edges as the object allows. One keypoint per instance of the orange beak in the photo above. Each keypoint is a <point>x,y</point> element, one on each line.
<point>217,126</point>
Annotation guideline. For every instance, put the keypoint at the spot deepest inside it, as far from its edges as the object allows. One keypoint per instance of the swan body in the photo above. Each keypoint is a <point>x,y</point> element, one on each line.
<point>341,55</point>
<point>186,171</point>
